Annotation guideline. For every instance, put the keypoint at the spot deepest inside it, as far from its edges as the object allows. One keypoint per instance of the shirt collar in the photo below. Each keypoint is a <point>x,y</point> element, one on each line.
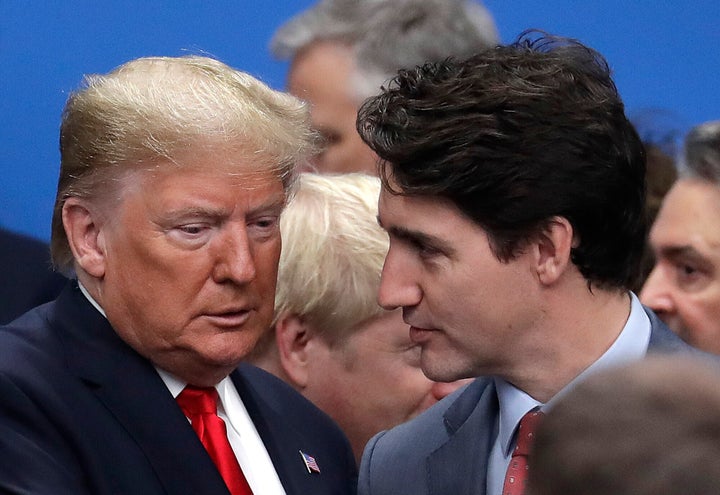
<point>90,298</point>
<point>514,404</point>
<point>175,385</point>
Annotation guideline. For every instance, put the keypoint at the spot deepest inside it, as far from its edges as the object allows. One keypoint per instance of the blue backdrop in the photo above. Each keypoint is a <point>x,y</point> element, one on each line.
<point>664,54</point>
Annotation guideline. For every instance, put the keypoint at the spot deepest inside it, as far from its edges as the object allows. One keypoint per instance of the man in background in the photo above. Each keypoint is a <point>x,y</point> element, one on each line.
<point>342,51</point>
<point>684,286</point>
<point>28,277</point>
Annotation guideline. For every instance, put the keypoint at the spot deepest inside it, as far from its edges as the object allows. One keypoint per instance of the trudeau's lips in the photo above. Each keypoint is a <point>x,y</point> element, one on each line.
<point>419,335</point>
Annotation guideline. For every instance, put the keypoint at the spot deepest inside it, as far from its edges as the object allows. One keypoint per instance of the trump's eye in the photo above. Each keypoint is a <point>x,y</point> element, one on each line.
<point>190,235</point>
<point>192,229</point>
<point>265,222</point>
<point>265,226</point>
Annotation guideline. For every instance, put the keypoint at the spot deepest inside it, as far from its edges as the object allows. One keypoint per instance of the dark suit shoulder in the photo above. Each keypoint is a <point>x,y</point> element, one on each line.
<point>27,275</point>
<point>28,342</point>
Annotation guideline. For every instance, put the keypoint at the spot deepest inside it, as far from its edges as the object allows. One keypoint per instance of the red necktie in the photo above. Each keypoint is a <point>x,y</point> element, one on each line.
<point>516,475</point>
<point>200,406</point>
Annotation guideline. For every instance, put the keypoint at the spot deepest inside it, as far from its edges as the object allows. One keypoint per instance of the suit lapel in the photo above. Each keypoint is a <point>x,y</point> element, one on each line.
<point>130,388</point>
<point>459,466</point>
<point>281,441</point>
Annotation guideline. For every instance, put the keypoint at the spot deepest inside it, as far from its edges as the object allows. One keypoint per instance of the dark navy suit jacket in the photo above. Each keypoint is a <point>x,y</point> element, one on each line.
<point>82,413</point>
<point>26,275</point>
<point>445,450</point>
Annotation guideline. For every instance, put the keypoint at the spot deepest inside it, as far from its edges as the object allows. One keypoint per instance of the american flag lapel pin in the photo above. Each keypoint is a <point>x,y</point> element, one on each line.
<point>310,463</point>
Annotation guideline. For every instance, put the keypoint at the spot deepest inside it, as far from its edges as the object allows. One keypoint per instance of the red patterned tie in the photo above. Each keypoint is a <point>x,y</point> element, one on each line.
<point>516,475</point>
<point>200,406</point>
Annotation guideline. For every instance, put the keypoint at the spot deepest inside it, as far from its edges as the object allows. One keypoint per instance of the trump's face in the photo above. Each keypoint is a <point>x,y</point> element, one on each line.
<point>187,262</point>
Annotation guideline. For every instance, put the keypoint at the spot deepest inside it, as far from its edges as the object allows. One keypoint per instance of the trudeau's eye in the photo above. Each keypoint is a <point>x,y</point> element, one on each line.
<point>424,249</point>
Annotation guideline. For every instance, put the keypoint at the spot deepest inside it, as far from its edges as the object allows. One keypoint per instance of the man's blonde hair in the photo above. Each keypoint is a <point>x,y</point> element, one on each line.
<point>156,109</point>
<point>333,253</point>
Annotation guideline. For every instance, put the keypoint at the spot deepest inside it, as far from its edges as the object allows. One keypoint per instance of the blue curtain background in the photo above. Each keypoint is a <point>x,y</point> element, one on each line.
<point>664,55</point>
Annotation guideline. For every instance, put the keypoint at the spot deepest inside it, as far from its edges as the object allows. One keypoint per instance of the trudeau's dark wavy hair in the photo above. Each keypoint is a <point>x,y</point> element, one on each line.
<point>514,136</point>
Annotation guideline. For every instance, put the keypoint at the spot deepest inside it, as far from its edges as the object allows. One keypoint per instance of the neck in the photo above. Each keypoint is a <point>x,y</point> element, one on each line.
<point>575,333</point>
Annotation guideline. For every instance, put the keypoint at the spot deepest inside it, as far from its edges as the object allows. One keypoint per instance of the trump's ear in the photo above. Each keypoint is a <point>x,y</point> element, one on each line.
<point>82,228</point>
<point>292,337</point>
<point>553,247</point>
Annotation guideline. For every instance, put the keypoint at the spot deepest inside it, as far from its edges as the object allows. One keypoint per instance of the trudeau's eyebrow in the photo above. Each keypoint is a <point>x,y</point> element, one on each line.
<point>418,238</point>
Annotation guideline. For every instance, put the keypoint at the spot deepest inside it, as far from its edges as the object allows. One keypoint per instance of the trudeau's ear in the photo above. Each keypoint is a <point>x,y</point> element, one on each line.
<point>553,247</point>
<point>82,227</point>
<point>292,338</point>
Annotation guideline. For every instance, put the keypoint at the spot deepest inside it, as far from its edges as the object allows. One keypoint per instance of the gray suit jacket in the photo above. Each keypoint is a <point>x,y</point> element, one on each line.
<point>445,450</point>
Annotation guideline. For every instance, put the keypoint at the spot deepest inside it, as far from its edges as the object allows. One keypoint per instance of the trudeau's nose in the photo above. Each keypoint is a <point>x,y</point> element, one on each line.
<point>398,288</point>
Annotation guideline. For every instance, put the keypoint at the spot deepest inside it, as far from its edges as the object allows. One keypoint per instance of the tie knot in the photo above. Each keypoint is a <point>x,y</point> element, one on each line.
<point>198,400</point>
<point>526,432</point>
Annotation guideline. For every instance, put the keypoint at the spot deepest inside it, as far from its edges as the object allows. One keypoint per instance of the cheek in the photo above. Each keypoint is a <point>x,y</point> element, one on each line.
<point>149,256</point>
<point>398,380</point>
<point>329,387</point>
<point>702,313</point>
<point>412,383</point>
<point>267,258</point>
<point>408,394</point>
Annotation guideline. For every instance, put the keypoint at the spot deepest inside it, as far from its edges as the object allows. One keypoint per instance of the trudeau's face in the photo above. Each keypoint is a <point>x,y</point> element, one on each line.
<point>190,263</point>
<point>465,307</point>
<point>684,286</point>
<point>320,75</point>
